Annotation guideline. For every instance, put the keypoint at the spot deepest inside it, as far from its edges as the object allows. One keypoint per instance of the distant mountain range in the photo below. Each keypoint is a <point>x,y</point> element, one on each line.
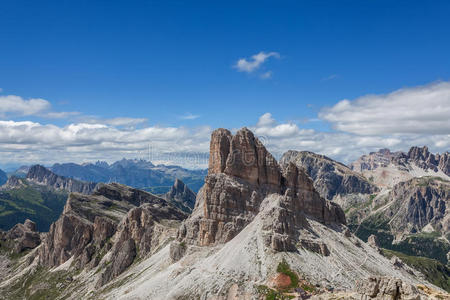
<point>3,177</point>
<point>133,172</point>
<point>136,173</point>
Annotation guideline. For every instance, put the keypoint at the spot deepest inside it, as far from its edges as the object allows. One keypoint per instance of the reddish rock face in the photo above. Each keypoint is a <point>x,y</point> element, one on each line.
<point>243,156</point>
<point>218,150</point>
<point>248,159</point>
<point>241,174</point>
<point>280,281</point>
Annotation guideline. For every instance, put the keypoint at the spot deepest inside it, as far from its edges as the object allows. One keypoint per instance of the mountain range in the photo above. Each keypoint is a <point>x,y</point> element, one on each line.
<point>304,227</point>
<point>132,172</point>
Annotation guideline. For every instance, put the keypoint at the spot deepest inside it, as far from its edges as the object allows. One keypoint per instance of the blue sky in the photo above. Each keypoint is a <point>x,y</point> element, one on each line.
<point>174,64</point>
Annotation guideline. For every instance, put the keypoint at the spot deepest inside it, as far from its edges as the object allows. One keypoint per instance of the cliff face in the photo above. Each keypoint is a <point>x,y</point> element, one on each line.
<point>418,203</point>
<point>181,196</point>
<point>241,174</point>
<point>330,177</point>
<point>127,221</point>
<point>41,175</point>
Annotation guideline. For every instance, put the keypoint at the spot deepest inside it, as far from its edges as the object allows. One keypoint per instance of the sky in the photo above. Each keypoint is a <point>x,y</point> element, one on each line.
<point>83,80</point>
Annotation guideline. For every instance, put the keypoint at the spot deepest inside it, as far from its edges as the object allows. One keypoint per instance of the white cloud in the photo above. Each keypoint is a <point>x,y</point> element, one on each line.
<point>252,64</point>
<point>11,105</point>
<point>32,142</point>
<point>399,120</point>
<point>342,146</point>
<point>419,110</point>
<point>16,105</point>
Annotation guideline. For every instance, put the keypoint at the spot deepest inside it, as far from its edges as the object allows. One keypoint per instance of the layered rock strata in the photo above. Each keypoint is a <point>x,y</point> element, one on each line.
<point>241,174</point>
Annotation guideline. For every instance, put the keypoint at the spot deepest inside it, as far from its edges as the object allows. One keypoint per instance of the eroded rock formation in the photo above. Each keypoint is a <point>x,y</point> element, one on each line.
<point>22,237</point>
<point>330,177</point>
<point>181,196</point>
<point>241,174</point>
<point>89,223</point>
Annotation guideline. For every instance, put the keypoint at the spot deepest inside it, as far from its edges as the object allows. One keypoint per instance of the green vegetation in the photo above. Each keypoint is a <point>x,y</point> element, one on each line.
<point>37,203</point>
<point>427,180</point>
<point>419,244</point>
<point>39,284</point>
<point>309,288</point>
<point>283,267</point>
<point>435,272</point>
<point>271,294</point>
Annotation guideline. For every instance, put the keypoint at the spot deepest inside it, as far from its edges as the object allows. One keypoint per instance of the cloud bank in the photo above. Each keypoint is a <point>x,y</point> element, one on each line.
<point>398,120</point>
<point>419,110</point>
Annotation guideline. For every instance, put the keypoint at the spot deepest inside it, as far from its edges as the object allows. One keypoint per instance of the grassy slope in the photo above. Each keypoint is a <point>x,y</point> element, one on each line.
<point>37,203</point>
<point>435,272</point>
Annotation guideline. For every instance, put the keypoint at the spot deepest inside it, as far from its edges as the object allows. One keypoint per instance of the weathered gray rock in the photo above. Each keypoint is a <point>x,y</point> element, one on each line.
<point>386,288</point>
<point>22,237</point>
<point>417,203</point>
<point>181,196</point>
<point>88,222</point>
<point>142,231</point>
<point>41,175</point>
<point>330,177</point>
<point>419,156</point>
<point>373,241</point>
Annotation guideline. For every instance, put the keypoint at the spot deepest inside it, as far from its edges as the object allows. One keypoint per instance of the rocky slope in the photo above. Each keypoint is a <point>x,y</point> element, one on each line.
<point>41,175</point>
<point>90,220</point>
<point>413,217</point>
<point>333,180</point>
<point>181,196</point>
<point>132,172</point>
<point>386,168</point>
<point>258,230</point>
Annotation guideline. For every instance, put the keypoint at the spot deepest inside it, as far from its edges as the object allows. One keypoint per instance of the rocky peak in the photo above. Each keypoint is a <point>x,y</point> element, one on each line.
<point>243,156</point>
<point>14,182</point>
<point>417,153</point>
<point>419,156</point>
<point>241,174</point>
<point>181,196</point>
<point>41,175</point>
<point>330,178</point>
